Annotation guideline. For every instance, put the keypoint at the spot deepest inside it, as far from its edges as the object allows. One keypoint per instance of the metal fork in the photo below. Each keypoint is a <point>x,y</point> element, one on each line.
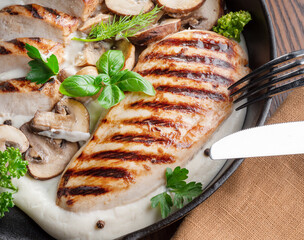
<point>260,84</point>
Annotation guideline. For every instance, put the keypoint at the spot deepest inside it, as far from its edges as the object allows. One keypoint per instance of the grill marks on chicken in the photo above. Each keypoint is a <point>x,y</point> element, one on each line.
<point>143,135</point>
<point>33,96</point>
<point>13,54</point>
<point>35,21</point>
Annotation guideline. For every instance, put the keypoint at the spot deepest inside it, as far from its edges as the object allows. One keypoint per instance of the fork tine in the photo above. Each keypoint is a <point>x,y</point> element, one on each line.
<point>269,75</point>
<point>270,83</point>
<point>274,91</point>
<point>269,65</point>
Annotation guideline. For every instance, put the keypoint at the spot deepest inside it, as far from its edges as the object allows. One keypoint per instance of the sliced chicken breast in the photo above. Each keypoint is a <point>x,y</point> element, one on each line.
<point>128,154</point>
<point>36,21</point>
<point>77,8</point>
<point>13,55</point>
<point>22,97</point>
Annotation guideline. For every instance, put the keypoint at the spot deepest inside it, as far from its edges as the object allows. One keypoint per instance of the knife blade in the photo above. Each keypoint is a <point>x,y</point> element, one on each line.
<point>269,140</point>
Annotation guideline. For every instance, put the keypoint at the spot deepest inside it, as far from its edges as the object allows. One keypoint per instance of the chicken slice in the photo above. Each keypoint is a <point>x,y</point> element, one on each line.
<point>13,55</point>
<point>22,97</point>
<point>36,21</point>
<point>128,154</point>
<point>77,8</point>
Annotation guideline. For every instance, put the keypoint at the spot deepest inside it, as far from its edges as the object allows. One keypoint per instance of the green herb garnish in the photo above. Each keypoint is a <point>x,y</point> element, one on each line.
<point>121,27</point>
<point>41,70</point>
<point>11,166</point>
<point>232,24</point>
<point>183,192</point>
<point>113,81</point>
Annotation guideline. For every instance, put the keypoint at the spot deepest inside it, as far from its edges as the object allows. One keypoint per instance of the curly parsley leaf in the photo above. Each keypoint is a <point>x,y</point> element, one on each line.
<point>11,166</point>
<point>111,79</point>
<point>232,24</point>
<point>181,191</point>
<point>41,70</point>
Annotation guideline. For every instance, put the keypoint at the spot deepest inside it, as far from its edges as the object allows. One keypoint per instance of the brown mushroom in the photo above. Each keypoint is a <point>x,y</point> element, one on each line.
<point>47,157</point>
<point>90,54</point>
<point>70,121</point>
<point>87,25</point>
<point>128,51</point>
<point>206,16</point>
<point>156,32</point>
<point>180,6</point>
<point>129,7</point>
<point>12,137</point>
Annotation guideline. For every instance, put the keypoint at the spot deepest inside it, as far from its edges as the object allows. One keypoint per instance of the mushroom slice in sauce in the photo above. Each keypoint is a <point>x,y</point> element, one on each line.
<point>90,54</point>
<point>128,51</point>
<point>129,7</point>
<point>47,157</point>
<point>180,6</point>
<point>70,121</point>
<point>156,32</point>
<point>206,16</point>
<point>12,137</point>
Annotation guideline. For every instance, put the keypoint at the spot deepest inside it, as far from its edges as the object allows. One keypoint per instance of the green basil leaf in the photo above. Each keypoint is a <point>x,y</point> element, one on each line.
<point>103,79</point>
<point>110,96</point>
<point>111,62</point>
<point>118,76</point>
<point>79,86</point>
<point>39,73</point>
<point>133,82</point>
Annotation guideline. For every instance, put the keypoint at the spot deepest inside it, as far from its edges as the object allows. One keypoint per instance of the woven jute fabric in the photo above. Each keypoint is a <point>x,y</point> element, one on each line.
<point>263,199</point>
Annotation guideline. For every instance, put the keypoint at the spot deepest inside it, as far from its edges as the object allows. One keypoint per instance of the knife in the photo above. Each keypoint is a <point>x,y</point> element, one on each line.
<point>270,140</point>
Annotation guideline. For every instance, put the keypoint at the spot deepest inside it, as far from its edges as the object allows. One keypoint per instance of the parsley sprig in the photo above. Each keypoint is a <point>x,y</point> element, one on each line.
<point>111,79</point>
<point>232,24</point>
<point>121,27</point>
<point>41,69</point>
<point>176,186</point>
<point>11,166</point>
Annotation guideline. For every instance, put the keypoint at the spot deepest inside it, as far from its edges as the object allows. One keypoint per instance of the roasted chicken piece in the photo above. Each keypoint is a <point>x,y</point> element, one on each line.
<point>13,54</point>
<point>128,154</point>
<point>22,97</point>
<point>35,21</point>
<point>77,8</point>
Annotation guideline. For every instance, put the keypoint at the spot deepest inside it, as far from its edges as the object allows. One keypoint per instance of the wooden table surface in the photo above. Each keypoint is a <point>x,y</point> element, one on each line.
<point>288,22</point>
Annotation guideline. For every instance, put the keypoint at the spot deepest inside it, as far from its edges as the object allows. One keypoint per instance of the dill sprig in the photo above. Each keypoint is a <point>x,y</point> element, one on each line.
<point>121,27</point>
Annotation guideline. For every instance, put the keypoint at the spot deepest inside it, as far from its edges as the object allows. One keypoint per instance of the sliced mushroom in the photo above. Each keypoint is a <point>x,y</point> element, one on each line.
<point>128,51</point>
<point>87,25</point>
<point>206,16</point>
<point>47,157</point>
<point>70,121</point>
<point>180,6</point>
<point>156,32</point>
<point>90,54</point>
<point>129,7</point>
<point>12,137</point>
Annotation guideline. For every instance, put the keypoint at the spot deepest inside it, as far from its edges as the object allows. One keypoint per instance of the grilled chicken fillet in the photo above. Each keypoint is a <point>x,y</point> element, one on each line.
<point>35,21</point>
<point>13,54</point>
<point>142,136</point>
<point>22,97</point>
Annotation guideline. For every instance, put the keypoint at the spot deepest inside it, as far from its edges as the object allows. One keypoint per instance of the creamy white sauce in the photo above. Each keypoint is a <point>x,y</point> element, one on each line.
<point>37,198</point>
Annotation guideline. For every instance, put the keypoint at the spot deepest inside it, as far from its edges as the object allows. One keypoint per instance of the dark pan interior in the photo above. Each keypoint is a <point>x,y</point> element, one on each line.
<point>261,45</point>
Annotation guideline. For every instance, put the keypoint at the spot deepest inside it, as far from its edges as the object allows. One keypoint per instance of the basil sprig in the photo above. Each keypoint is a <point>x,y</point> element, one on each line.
<point>111,79</point>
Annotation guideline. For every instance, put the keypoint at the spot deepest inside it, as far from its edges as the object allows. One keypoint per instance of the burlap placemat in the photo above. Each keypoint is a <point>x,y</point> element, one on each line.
<point>263,199</point>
